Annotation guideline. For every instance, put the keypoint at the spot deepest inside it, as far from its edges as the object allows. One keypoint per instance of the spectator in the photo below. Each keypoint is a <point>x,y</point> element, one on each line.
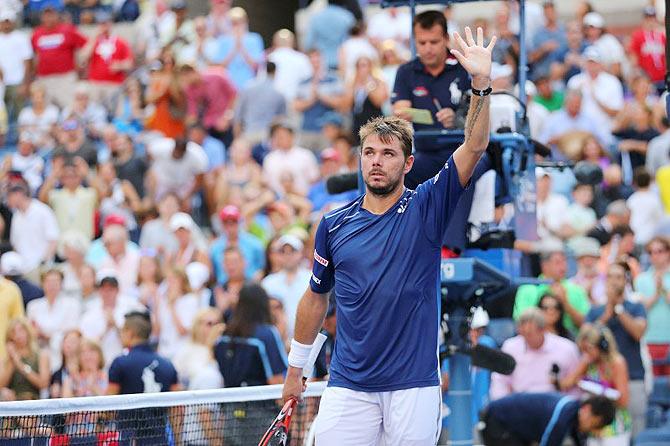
<point>287,157</point>
<point>523,419</point>
<point>355,47</point>
<point>536,351</point>
<point>52,315</point>
<point>103,317</point>
<point>594,153</point>
<point>129,113</point>
<point>69,362</point>
<point>109,59</point>
<point>74,143</point>
<point>634,132</point>
<point>195,362</point>
<point>581,217</point>
<point>178,166</point>
<point>90,379</point>
<point>317,95</point>
<point>176,30</point>
<point>241,171</point>
<point>240,52</point>
<point>628,322</point>
<point>250,247</point>
<point>658,154</point>
<point>166,95</point>
<point>390,24</point>
<point>251,320</point>
<point>218,20</point>
<point>227,295</point>
<point>90,115</point>
<point>39,118</point>
<point>548,96</point>
<point>72,248</point>
<point>366,93</point>
<point>292,66</point>
<point>552,208</point>
<point>331,164</point>
<point>587,252</point>
<point>620,248</point>
<point>610,50</point>
<point>611,189</point>
<point>56,44</point>
<point>549,41</point>
<point>573,297</point>
<point>25,161</point>
<point>117,197</point>
<point>195,52</point>
<point>34,232</point>
<point>653,284</point>
<point>572,61</point>
<point>646,209</point>
<point>288,284</point>
<point>188,248</point>
<point>554,314</point>
<point>602,363</point>
<point>141,370</point>
<point>120,260</point>
<point>156,234</point>
<point>25,371</point>
<point>11,267</point>
<point>16,54</point>
<point>258,105</point>
<point>617,214</point>
<point>344,145</point>
<point>647,47</point>
<point>88,283</point>
<point>149,278</point>
<point>209,98</point>
<point>98,253</point>
<point>129,166</point>
<point>199,275</point>
<point>327,30</point>
<point>214,149</point>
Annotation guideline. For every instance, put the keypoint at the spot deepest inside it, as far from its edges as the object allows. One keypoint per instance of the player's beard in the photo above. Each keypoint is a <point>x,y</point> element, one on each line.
<point>387,189</point>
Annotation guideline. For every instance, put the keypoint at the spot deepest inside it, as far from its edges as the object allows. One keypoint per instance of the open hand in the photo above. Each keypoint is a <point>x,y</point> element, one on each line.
<point>474,56</point>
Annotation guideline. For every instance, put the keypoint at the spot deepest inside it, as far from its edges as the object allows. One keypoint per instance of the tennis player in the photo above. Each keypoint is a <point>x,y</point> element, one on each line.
<point>381,253</point>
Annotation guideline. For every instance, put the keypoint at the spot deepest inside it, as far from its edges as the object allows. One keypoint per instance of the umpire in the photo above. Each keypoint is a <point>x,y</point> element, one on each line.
<point>522,419</point>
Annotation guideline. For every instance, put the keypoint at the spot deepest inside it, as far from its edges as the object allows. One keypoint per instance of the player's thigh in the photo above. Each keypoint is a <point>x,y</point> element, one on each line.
<point>412,416</point>
<point>348,418</point>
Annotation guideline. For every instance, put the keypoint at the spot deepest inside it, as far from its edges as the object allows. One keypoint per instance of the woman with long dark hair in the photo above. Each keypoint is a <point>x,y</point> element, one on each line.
<point>553,312</point>
<point>250,339</point>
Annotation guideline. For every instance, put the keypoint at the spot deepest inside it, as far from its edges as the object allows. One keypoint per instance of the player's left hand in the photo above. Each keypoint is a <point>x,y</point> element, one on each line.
<point>474,56</point>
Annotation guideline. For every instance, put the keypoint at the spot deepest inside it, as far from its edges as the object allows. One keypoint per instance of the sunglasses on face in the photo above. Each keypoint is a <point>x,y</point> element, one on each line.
<point>548,307</point>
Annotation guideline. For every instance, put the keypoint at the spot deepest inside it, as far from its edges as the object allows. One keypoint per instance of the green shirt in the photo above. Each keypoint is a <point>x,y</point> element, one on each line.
<point>555,102</point>
<point>529,296</point>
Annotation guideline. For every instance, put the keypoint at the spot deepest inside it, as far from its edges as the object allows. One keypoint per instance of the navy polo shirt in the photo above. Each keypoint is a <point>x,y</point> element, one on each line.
<point>546,418</point>
<point>413,83</point>
<point>628,346</point>
<point>142,370</point>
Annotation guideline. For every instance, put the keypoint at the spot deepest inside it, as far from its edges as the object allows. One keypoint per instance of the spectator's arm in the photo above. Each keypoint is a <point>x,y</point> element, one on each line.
<point>47,187</point>
<point>38,378</point>
<point>378,94</point>
<point>634,145</point>
<point>336,101</point>
<point>501,386</point>
<point>400,107</point>
<point>87,51</point>
<point>131,195</point>
<point>254,57</point>
<point>634,326</point>
<point>620,378</point>
<point>300,104</point>
<point>573,378</point>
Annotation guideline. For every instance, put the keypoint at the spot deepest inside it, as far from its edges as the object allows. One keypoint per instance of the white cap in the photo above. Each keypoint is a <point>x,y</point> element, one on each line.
<point>585,246</point>
<point>8,14</point>
<point>541,172</point>
<point>594,19</point>
<point>592,53</point>
<point>181,220</point>
<point>106,273</point>
<point>291,240</point>
<point>198,274</point>
<point>498,71</point>
<point>11,264</point>
<point>480,318</point>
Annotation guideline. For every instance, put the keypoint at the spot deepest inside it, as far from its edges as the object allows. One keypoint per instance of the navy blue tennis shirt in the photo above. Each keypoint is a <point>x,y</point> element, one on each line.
<point>385,270</point>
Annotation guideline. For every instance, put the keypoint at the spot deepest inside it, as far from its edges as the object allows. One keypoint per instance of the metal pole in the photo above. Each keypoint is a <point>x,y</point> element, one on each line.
<point>412,13</point>
<point>459,397</point>
<point>523,59</point>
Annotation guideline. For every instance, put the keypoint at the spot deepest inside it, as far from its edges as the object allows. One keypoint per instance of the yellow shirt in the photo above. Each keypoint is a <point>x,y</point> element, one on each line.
<point>11,306</point>
<point>663,184</point>
<point>74,210</point>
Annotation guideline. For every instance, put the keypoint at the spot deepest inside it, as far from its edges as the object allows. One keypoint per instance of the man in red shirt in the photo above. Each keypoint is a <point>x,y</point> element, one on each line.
<point>109,59</point>
<point>209,100</point>
<point>647,47</point>
<point>55,46</point>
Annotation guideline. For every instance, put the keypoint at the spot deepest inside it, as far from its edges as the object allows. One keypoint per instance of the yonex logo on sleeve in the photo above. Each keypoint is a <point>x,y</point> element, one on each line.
<point>316,279</point>
<point>320,259</point>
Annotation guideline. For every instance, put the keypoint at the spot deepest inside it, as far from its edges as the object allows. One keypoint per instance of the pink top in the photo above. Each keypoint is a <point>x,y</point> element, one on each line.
<point>210,98</point>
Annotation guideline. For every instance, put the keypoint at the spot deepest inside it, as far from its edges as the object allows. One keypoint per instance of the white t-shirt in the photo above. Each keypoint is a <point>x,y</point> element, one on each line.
<point>292,68</point>
<point>277,285</point>
<point>172,174</point>
<point>169,340</point>
<point>31,167</point>
<point>15,49</point>
<point>607,89</point>
<point>300,162</point>
<point>611,50</point>
<point>32,231</point>
<point>551,215</point>
<point>38,126</point>
<point>54,320</point>
<point>646,213</point>
<point>354,48</point>
<point>384,25</point>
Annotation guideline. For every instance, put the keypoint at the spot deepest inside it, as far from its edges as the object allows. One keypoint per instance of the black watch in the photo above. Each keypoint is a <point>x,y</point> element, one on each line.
<point>482,92</point>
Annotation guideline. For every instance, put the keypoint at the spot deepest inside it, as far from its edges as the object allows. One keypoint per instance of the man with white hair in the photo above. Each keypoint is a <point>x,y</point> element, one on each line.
<point>124,263</point>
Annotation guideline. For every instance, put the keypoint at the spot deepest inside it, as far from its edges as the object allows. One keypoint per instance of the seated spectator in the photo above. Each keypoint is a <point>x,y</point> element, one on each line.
<point>365,93</point>
<point>587,253</point>
<point>327,30</point>
<point>602,363</point>
<point>620,248</point>
<point>195,52</point>
<point>239,51</point>
<point>646,209</point>
<point>572,296</point>
<point>627,322</point>
<point>535,351</point>
<point>34,232</point>
<point>156,234</point>
<point>119,259</point>
<point>292,65</point>
<point>11,266</point>
<point>653,284</point>
<point>73,143</point>
<point>26,162</point>
<point>547,96</point>
<point>554,314</point>
<point>90,114</point>
<point>39,118</point>
<point>634,130</point>
<point>593,152</point>
<point>549,41</point>
<point>97,252</point>
<point>129,166</point>
<point>233,235</point>
<point>356,46</point>
<point>129,111</point>
<point>117,197</point>
<point>188,248</point>
<point>25,371</point>
<point>646,49</point>
<point>104,316</point>
<point>617,214</point>
<point>149,278</point>
<point>239,172</point>
<point>194,361</point>
<point>69,362</point>
<point>227,295</point>
<point>72,248</point>
<point>610,49</point>
<point>166,95</point>
<point>90,378</point>
<point>251,321</point>
<point>581,217</point>
<point>52,315</point>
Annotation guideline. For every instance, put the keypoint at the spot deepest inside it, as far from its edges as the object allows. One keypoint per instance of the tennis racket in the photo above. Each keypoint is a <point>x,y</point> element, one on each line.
<point>277,434</point>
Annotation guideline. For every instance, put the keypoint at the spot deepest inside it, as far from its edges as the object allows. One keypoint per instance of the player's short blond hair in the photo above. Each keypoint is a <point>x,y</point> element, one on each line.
<point>388,128</point>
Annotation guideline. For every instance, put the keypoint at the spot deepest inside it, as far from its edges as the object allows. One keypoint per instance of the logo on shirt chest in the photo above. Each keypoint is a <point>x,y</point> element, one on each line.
<point>420,91</point>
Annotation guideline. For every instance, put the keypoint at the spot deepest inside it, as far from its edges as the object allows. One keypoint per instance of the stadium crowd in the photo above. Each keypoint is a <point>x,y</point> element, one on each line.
<point>162,194</point>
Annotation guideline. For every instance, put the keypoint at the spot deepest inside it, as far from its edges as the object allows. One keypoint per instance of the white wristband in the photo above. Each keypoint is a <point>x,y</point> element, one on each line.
<point>299,354</point>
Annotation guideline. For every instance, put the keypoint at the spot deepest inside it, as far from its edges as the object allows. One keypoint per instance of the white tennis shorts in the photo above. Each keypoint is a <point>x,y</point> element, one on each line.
<point>408,417</point>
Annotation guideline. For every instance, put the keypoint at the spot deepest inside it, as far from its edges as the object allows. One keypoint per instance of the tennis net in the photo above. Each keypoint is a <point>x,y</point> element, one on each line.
<point>230,417</point>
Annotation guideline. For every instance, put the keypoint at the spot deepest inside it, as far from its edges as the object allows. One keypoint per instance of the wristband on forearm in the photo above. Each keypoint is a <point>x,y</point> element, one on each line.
<point>299,354</point>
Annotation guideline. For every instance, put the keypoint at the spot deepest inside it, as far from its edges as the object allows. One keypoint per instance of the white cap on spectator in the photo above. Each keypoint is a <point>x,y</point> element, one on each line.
<point>7,14</point>
<point>541,172</point>
<point>499,70</point>
<point>198,274</point>
<point>480,318</point>
<point>11,264</point>
<point>585,247</point>
<point>591,53</point>
<point>106,273</point>
<point>594,19</point>
<point>291,240</point>
<point>181,220</point>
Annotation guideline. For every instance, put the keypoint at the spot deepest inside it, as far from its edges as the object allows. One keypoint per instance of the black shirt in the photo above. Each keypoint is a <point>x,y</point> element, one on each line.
<point>134,171</point>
